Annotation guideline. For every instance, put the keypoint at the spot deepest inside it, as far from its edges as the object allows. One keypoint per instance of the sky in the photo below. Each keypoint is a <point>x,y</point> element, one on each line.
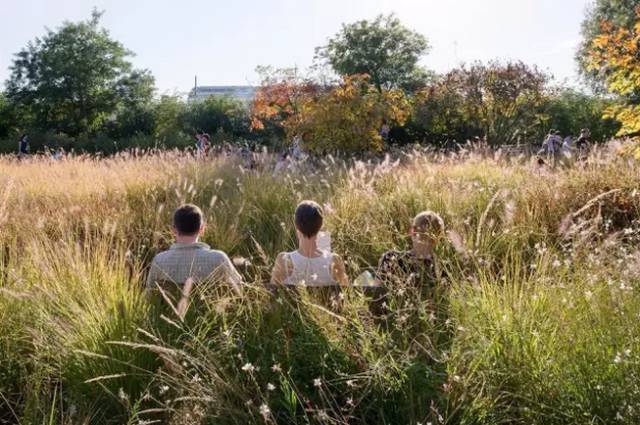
<point>222,42</point>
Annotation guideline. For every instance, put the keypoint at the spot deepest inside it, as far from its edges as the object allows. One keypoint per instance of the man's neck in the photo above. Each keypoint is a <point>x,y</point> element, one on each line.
<point>186,239</point>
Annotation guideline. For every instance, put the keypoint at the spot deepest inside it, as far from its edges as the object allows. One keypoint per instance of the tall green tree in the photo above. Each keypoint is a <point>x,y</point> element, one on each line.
<point>76,78</point>
<point>384,49</point>
<point>501,102</point>
<point>620,13</point>
<point>7,117</point>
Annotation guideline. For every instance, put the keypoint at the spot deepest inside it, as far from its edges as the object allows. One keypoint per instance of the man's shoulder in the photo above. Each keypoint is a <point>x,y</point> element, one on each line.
<point>161,256</point>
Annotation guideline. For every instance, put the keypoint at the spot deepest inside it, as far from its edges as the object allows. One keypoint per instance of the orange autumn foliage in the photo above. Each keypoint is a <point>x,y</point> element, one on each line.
<point>615,54</point>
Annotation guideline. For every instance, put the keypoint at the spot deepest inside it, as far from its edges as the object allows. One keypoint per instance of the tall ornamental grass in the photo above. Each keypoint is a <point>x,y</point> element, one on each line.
<point>534,321</point>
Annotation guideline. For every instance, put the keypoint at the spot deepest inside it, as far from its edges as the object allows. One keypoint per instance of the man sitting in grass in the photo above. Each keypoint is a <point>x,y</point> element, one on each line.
<point>188,261</point>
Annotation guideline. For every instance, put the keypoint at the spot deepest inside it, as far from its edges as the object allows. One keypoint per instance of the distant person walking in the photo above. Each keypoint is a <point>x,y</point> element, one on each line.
<point>550,147</point>
<point>584,139</point>
<point>202,144</point>
<point>23,146</point>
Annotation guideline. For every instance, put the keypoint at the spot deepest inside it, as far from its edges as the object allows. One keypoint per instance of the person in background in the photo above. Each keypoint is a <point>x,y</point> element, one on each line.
<point>188,259</point>
<point>384,131</point>
<point>23,146</point>
<point>583,140</point>
<point>282,164</point>
<point>57,154</point>
<point>550,147</point>
<point>309,265</point>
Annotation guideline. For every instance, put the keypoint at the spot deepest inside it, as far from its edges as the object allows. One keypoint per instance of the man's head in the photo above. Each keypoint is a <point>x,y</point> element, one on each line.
<point>427,228</point>
<point>308,218</point>
<point>188,221</point>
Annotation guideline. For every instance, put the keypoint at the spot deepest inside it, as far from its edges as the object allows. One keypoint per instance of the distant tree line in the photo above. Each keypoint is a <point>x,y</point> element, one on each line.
<point>76,88</point>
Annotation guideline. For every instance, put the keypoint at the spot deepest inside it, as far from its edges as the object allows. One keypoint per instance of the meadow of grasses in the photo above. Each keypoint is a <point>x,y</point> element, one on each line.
<point>537,321</point>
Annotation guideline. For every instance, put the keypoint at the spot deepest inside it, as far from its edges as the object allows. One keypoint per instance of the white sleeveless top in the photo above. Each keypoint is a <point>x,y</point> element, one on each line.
<point>312,272</point>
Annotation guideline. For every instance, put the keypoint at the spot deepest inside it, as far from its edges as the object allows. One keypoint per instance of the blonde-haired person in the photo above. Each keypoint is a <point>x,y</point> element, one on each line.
<point>415,266</point>
<point>309,265</point>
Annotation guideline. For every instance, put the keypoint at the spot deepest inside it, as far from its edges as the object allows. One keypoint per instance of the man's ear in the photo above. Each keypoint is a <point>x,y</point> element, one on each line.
<point>202,227</point>
<point>174,230</point>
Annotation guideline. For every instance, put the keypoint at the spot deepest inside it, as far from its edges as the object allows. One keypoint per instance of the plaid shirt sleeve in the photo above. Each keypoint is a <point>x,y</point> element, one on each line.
<point>231,274</point>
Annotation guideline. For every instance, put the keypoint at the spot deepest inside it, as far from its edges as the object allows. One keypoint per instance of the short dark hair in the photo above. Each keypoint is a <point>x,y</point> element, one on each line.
<point>309,218</point>
<point>188,219</point>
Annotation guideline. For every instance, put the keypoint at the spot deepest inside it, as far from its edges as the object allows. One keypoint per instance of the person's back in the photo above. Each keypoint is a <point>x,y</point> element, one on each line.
<point>309,271</point>
<point>188,258</point>
<point>310,265</point>
<point>23,145</point>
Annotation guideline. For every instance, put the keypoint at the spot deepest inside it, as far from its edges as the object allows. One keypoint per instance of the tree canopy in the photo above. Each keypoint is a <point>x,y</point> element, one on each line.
<point>616,12</point>
<point>76,78</point>
<point>615,56</point>
<point>384,49</point>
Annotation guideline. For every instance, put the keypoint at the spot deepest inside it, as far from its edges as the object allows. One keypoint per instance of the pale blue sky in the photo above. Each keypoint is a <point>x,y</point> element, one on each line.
<point>223,41</point>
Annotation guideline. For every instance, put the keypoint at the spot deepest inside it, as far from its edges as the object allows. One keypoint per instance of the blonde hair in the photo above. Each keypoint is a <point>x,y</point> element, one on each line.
<point>428,222</point>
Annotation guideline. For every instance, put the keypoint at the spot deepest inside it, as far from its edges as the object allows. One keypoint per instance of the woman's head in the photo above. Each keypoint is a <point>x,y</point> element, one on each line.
<point>308,218</point>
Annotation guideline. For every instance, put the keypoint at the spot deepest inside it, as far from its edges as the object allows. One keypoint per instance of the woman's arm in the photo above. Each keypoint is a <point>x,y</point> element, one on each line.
<point>280,270</point>
<point>338,271</point>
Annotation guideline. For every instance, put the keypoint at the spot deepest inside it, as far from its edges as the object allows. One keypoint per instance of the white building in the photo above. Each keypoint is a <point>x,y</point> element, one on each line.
<point>242,93</point>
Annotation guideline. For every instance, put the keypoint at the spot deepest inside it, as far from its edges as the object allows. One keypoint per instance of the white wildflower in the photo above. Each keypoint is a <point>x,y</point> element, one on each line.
<point>248,367</point>
<point>317,382</point>
<point>276,368</point>
<point>270,387</point>
<point>264,410</point>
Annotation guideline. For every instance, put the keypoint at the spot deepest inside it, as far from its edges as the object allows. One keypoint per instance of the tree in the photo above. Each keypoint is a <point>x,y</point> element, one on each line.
<point>500,102</point>
<point>169,113</point>
<point>615,56</point>
<point>616,12</point>
<point>75,79</point>
<point>217,114</point>
<point>383,49</point>
<point>569,111</point>
<point>278,98</point>
<point>7,118</point>
<point>349,117</point>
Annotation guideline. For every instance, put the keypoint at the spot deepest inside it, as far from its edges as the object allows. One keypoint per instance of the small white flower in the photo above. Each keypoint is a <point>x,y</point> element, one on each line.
<point>617,358</point>
<point>317,382</point>
<point>163,389</point>
<point>248,367</point>
<point>350,383</point>
<point>588,295</point>
<point>270,387</point>
<point>264,410</point>
<point>276,368</point>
